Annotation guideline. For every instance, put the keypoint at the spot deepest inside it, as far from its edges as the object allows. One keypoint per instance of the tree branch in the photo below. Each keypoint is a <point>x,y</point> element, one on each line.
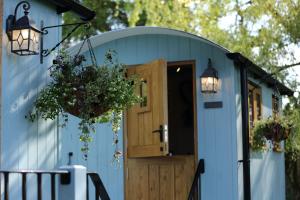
<point>284,67</point>
<point>279,69</point>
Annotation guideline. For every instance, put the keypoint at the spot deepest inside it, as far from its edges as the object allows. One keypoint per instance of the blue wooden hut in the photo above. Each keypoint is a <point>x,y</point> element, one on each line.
<point>208,126</point>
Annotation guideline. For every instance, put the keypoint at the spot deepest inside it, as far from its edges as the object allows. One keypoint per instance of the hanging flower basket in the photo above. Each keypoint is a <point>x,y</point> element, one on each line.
<point>95,94</point>
<point>274,129</point>
<point>80,94</point>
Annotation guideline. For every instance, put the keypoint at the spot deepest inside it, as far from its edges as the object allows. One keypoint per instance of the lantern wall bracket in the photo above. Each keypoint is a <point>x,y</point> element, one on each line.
<point>44,31</point>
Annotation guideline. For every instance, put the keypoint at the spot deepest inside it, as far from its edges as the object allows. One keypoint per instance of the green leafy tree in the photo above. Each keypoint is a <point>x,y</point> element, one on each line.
<point>292,148</point>
<point>109,15</point>
<point>261,30</point>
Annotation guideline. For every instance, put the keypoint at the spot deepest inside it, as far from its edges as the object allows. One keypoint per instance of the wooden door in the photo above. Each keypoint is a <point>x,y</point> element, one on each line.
<point>150,173</point>
<point>147,122</point>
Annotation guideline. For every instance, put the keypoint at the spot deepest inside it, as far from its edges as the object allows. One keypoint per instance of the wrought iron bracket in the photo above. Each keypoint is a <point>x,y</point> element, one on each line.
<point>44,31</point>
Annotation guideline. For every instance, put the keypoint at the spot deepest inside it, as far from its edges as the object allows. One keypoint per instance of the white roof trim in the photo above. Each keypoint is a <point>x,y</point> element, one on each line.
<point>102,38</point>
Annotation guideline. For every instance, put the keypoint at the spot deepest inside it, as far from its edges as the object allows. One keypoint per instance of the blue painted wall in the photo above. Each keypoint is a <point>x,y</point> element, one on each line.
<point>26,145</point>
<point>217,127</point>
<point>219,130</point>
<point>267,168</point>
<point>42,144</point>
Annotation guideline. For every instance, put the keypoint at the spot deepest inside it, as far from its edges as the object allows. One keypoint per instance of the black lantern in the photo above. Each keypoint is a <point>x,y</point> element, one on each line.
<point>24,37</point>
<point>209,79</point>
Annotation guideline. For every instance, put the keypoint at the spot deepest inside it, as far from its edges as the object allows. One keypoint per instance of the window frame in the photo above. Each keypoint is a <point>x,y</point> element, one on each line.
<point>256,91</point>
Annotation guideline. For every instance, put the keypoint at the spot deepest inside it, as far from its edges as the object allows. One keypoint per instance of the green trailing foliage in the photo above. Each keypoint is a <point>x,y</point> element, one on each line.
<point>275,129</point>
<point>258,140</point>
<point>95,94</point>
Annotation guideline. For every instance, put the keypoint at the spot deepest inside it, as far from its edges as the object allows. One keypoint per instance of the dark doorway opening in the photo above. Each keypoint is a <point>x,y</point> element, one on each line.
<point>181,109</point>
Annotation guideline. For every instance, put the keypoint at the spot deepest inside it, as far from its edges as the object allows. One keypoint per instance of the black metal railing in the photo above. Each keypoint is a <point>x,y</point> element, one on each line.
<point>100,191</point>
<point>64,178</point>
<point>197,182</point>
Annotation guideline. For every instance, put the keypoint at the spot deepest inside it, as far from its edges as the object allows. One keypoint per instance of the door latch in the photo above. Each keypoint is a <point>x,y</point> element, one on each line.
<point>163,133</point>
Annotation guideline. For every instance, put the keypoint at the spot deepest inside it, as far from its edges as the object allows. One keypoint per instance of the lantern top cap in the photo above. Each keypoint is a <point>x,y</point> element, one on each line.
<point>210,71</point>
<point>24,22</point>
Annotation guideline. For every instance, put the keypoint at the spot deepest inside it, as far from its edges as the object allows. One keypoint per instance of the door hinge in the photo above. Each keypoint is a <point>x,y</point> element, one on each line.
<point>127,173</point>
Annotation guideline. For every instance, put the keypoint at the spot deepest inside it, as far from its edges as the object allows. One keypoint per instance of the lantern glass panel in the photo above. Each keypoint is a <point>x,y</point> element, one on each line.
<point>20,40</point>
<point>34,41</point>
<point>25,33</point>
<point>216,84</point>
<point>15,34</point>
<point>24,44</point>
<point>209,84</point>
<point>25,41</point>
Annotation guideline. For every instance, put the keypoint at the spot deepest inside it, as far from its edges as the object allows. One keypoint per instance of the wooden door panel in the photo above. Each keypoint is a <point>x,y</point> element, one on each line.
<point>149,115</point>
<point>138,183</point>
<point>166,182</point>
<point>153,182</point>
<point>144,151</point>
<point>180,189</point>
<point>160,178</point>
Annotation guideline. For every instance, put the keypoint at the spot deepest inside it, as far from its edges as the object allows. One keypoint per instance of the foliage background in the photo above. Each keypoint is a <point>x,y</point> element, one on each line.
<point>267,32</point>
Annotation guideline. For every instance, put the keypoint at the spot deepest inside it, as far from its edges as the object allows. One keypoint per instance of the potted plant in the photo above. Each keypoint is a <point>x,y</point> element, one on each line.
<point>274,129</point>
<point>95,94</point>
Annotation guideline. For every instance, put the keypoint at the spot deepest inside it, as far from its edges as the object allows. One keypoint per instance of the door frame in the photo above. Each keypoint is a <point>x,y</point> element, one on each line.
<point>172,64</point>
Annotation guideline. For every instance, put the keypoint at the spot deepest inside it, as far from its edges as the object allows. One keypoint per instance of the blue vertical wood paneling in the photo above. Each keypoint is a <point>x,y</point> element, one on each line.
<point>267,168</point>
<point>216,127</point>
<point>162,45</point>
<point>26,145</point>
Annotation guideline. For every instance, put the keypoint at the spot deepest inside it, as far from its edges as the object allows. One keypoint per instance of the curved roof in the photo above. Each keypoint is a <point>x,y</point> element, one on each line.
<point>144,30</point>
<point>140,30</point>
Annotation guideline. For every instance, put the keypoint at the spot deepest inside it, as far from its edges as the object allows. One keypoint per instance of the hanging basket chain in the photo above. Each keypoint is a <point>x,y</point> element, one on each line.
<point>117,153</point>
<point>77,54</point>
<point>90,47</point>
<point>91,51</point>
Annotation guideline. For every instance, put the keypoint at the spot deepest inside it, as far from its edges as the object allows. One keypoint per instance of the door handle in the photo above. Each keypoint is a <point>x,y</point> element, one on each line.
<point>163,133</point>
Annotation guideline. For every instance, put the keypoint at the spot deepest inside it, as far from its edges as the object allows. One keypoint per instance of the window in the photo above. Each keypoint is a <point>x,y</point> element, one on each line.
<point>275,104</point>
<point>144,92</point>
<point>255,108</point>
<point>255,101</point>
